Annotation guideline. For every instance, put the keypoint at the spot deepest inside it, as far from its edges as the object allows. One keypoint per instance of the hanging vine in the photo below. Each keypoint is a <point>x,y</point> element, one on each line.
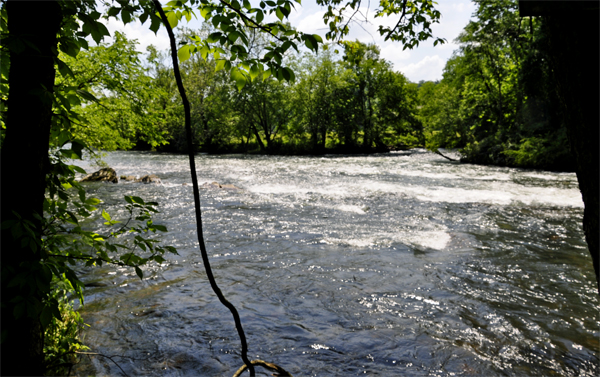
<point>188,129</point>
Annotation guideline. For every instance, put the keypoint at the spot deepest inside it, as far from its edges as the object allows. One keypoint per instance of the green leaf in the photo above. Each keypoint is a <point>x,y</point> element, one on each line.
<point>125,16</point>
<point>64,137</point>
<point>106,215</point>
<point>162,228</point>
<point>219,65</point>
<point>139,272</point>
<point>64,69</point>
<point>259,16</point>
<point>279,13</point>
<point>172,18</point>
<point>308,43</point>
<point>205,12</point>
<point>214,37</point>
<point>290,74</point>
<point>86,95</point>
<point>77,148</point>
<point>233,36</point>
<point>137,199</point>
<point>254,71</point>
<point>92,201</point>
<point>99,31</point>
<point>143,17</point>
<point>77,169</point>
<point>240,79</point>
<point>266,74</point>
<point>113,11</point>
<point>184,53</point>
<point>155,24</point>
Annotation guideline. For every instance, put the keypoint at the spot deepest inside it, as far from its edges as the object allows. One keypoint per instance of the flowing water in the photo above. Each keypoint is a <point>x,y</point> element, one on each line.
<point>403,264</point>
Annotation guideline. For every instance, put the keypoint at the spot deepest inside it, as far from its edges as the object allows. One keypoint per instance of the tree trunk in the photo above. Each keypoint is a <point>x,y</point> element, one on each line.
<point>32,29</point>
<point>574,47</point>
<point>258,139</point>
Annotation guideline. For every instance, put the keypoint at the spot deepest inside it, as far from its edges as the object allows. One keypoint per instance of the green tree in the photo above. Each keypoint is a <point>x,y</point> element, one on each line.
<point>397,107</point>
<point>119,114</point>
<point>265,107</point>
<point>496,101</point>
<point>381,104</point>
<point>314,97</point>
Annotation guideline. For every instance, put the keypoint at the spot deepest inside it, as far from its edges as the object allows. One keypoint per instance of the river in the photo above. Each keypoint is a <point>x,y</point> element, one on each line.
<point>400,264</point>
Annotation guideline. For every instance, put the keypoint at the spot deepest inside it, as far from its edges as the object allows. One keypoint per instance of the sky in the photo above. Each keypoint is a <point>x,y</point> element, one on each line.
<point>425,62</point>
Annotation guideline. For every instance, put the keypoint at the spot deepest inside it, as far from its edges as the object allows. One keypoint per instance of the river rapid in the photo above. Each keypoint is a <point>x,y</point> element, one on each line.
<point>400,264</point>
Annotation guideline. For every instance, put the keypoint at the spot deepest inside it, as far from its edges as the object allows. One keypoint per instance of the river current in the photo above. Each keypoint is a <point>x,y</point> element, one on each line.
<point>400,264</point>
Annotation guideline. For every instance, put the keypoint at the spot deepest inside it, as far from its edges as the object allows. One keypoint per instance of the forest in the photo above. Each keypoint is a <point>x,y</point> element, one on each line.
<point>494,103</point>
<point>253,88</point>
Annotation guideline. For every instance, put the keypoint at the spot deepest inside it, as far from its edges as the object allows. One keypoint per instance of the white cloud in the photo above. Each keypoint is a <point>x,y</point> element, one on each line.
<point>428,68</point>
<point>142,33</point>
<point>393,53</point>
<point>313,23</point>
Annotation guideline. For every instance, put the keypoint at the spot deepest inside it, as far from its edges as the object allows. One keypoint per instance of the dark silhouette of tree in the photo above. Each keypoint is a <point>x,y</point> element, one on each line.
<point>574,43</point>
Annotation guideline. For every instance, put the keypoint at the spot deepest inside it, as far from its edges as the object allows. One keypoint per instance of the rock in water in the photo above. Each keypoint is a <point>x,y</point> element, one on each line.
<point>151,178</point>
<point>102,175</point>
<point>220,186</point>
<point>128,177</point>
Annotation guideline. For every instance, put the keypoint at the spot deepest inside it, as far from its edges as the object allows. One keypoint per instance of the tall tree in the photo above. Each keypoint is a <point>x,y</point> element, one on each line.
<point>314,98</point>
<point>265,107</point>
<point>33,49</point>
<point>573,30</point>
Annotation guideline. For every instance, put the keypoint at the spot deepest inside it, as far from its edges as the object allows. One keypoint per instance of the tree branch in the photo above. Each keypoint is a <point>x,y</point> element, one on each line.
<point>399,21</point>
<point>249,20</point>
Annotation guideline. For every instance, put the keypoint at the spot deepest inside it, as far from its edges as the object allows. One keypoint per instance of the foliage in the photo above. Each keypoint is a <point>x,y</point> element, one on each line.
<point>64,242</point>
<point>62,337</point>
<point>118,110</point>
<point>330,105</point>
<point>496,101</point>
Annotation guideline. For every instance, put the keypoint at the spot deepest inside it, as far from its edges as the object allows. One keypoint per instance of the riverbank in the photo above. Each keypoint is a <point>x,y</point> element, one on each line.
<point>499,159</point>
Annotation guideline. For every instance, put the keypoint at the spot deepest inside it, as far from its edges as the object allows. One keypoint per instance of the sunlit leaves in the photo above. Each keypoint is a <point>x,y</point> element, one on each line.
<point>183,53</point>
<point>239,78</point>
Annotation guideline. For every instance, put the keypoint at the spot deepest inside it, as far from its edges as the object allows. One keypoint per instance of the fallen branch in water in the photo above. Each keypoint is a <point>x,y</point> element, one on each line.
<point>446,157</point>
<point>108,357</point>
<point>270,366</point>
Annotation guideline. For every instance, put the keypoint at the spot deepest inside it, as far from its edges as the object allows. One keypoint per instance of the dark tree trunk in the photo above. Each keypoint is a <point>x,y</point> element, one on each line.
<point>314,139</point>
<point>258,139</point>
<point>32,29</point>
<point>574,48</point>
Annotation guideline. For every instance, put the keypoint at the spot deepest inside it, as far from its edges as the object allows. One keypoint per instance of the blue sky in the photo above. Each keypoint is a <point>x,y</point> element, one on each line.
<point>423,63</point>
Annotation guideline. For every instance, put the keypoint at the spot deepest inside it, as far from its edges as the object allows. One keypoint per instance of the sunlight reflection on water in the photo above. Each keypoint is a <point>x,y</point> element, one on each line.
<point>389,265</point>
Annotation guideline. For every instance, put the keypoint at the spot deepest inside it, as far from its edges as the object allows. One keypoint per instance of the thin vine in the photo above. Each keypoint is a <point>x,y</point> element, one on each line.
<point>188,129</point>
